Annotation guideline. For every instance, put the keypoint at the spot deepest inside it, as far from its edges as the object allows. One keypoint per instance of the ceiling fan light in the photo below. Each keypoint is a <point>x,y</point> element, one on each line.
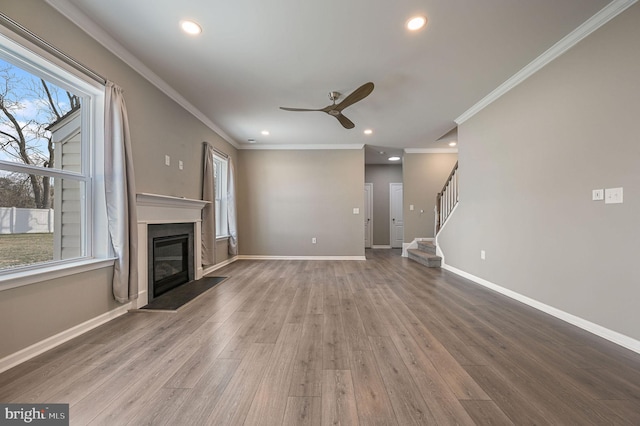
<point>415,23</point>
<point>190,27</point>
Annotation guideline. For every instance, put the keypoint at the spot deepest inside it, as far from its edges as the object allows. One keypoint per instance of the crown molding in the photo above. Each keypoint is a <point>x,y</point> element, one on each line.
<point>94,31</point>
<point>431,150</point>
<point>294,147</point>
<point>609,12</point>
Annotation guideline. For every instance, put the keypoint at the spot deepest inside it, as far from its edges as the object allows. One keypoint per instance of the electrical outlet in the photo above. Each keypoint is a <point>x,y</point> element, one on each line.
<point>313,240</point>
<point>356,210</point>
<point>597,194</point>
<point>167,160</point>
<point>180,165</point>
<point>613,196</point>
<point>482,255</point>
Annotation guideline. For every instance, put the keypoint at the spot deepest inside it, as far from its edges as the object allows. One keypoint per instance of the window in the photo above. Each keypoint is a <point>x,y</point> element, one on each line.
<point>51,127</point>
<point>220,177</point>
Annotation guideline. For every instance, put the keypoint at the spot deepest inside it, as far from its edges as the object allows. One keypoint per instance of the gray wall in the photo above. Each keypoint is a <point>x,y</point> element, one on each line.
<point>288,197</point>
<point>424,176</point>
<point>159,126</point>
<point>528,164</point>
<point>381,175</point>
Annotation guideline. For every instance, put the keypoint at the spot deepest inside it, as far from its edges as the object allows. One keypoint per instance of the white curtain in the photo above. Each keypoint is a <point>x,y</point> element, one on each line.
<point>231,210</point>
<point>120,195</point>
<point>209,211</point>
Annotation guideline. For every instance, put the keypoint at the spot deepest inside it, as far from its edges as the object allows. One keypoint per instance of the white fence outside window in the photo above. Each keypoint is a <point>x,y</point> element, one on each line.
<point>25,221</point>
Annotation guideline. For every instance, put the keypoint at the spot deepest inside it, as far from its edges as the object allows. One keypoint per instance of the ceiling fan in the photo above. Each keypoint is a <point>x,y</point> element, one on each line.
<point>335,110</point>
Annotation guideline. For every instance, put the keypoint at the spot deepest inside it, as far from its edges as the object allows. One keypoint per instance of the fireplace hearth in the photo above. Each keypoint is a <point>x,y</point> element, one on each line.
<point>170,251</point>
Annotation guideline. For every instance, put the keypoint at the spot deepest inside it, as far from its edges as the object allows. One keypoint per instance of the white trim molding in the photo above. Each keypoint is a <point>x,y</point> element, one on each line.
<point>260,257</point>
<point>217,266</point>
<point>376,247</point>
<point>94,31</point>
<point>431,150</point>
<point>598,330</point>
<point>60,338</point>
<point>609,12</point>
<point>297,147</point>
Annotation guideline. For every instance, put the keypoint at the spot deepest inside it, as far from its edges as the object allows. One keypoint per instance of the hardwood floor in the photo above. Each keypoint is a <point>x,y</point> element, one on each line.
<point>386,341</point>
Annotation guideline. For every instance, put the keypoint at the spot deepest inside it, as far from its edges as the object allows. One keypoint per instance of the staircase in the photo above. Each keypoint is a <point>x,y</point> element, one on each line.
<point>425,254</point>
<point>446,201</point>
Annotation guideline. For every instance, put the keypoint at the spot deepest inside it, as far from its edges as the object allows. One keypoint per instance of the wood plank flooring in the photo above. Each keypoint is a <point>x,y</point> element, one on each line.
<point>385,341</point>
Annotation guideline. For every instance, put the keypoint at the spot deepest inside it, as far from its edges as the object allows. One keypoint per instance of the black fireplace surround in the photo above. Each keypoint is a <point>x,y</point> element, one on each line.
<point>170,247</point>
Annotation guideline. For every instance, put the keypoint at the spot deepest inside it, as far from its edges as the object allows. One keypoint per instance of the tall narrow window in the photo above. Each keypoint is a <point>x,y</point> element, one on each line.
<point>221,172</point>
<point>49,135</point>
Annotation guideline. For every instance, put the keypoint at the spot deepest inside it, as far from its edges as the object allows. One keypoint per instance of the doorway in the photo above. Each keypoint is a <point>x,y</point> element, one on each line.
<point>396,215</point>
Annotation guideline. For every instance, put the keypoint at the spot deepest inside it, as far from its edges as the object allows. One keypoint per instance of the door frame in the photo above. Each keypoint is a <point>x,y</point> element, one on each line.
<point>368,206</point>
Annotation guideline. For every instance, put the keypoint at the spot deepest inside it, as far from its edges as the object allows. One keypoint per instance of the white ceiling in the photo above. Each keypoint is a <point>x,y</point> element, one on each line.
<point>257,55</point>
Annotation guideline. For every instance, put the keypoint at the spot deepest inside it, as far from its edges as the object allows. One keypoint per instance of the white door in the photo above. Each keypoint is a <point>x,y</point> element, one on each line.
<point>368,210</point>
<point>397,218</point>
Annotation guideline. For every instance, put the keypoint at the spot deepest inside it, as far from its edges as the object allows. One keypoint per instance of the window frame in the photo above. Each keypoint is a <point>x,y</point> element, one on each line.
<point>96,247</point>
<point>220,200</point>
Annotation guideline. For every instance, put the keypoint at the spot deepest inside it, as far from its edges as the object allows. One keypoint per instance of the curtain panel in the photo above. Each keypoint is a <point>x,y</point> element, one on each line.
<point>231,210</point>
<point>209,211</point>
<point>120,195</point>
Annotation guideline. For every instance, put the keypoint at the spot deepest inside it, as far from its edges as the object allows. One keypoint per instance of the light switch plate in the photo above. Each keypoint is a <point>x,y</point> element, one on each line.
<point>483,255</point>
<point>597,194</point>
<point>167,160</point>
<point>613,196</point>
<point>180,165</point>
<point>356,210</point>
<point>411,207</point>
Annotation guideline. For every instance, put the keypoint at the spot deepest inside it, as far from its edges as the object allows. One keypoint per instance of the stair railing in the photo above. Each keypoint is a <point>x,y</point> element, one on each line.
<point>446,199</point>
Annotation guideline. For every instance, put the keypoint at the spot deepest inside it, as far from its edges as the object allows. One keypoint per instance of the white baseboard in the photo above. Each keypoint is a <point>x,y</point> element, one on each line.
<point>53,341</point>
<point>212,268</point>
<point>380,247</point>
<point>598,330</point>
<point>260,257</point>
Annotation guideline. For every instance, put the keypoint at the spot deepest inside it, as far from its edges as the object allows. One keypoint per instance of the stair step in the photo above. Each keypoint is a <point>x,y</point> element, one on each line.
<point>427,246</point>
<point>427,259</point>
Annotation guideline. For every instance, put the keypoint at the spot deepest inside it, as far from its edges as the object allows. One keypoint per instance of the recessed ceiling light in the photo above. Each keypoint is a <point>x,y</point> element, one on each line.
<point>190,27</point>
<point>394,158</point>
<point>265,132</point>
<point>452,144</point>
<point>415,23</point>
<point>368,132</point>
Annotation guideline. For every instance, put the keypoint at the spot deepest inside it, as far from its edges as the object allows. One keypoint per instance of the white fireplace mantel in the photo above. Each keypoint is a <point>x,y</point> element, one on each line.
<point>155,208</point>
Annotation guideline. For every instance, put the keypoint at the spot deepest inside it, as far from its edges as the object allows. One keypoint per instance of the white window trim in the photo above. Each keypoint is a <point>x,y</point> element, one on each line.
<point>224,198</point>
<point>52,270</point>
<point>98,252</point>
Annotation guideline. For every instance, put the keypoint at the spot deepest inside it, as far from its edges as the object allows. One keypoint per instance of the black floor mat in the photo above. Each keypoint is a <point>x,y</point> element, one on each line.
<point>179,296</point>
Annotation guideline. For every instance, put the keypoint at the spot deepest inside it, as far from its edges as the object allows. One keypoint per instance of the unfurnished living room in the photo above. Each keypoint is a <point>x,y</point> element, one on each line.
<point>319,213</point>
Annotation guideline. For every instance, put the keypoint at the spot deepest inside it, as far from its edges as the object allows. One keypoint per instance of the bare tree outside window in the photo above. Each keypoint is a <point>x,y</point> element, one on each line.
<point>28,107</point>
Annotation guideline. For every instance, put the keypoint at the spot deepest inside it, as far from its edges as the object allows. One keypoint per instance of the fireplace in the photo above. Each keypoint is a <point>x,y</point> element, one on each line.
<point>171,257</point>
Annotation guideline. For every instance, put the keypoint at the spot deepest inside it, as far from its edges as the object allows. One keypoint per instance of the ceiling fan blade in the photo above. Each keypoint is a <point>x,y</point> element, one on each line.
<point>300,109</point>
<point>346,123</point>
<point>357,95</point>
